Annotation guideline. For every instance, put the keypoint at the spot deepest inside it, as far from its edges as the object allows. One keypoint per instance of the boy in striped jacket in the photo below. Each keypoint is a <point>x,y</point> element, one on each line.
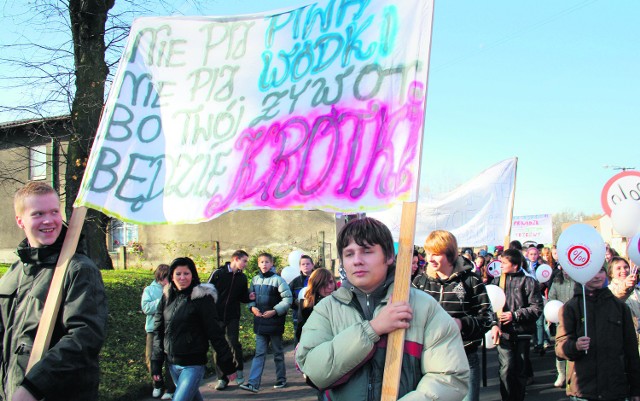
<point>450,280</point>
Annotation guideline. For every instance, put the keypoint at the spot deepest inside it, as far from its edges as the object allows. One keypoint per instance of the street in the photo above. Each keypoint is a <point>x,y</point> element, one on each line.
<point>541,389</point>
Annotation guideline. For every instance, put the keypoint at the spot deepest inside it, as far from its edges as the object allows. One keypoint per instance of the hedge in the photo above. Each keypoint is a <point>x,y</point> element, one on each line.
<point>124,375</point>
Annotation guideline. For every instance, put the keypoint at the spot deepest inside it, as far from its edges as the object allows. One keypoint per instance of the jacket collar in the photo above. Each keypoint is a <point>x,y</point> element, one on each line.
<point>460,266</point>
<point>46,255</point>
<point>194,292</point>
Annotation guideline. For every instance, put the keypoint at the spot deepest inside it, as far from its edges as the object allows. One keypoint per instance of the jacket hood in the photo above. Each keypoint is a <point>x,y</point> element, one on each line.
<point>460,266</point>
<point>199,291</point>
<point>47,255</point>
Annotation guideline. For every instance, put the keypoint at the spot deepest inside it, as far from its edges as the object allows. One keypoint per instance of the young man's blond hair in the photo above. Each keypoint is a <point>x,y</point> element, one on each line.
<point>31,188</point>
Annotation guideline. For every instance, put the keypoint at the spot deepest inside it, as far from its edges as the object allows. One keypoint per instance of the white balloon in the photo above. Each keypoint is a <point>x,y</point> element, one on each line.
<point>625,217</point>
<point>488,341</point>
<point>302,292</point>
<point>581,252</point>
<point>496,296</point>
<point>633,249</point>
<point>551,311</point>
<point>543,273</point>
<point>494,269</point>
<point>294,258</point>
<point>289,273</point>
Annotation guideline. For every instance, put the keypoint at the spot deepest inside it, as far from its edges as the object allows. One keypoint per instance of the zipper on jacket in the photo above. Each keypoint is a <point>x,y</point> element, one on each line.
<point>441,294</point>
<point>226,304</point>
<point>21,348</point>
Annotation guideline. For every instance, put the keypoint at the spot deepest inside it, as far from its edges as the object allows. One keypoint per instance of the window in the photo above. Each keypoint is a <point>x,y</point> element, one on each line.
<point>122,234</point>
<point>38,162</point>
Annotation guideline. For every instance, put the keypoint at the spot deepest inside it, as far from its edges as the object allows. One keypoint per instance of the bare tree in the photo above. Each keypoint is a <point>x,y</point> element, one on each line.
<point>558,219</point>
<point>61,66</point>
<point>88,21</point>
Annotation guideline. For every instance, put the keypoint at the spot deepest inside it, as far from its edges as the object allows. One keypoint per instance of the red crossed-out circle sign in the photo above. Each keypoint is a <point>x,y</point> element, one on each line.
<point>624,185</point>
<point>579,255</point>
<point>545,273</point>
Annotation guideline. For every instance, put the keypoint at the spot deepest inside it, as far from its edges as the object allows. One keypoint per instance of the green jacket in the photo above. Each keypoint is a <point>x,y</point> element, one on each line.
<point>69,369</point>
<point>339,350</point>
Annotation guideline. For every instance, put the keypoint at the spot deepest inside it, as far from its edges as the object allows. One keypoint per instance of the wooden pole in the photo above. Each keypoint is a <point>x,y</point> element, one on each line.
<point>54,297</point>
<point>395,340</point>
<point>395,343</point>
<point>507,238</point>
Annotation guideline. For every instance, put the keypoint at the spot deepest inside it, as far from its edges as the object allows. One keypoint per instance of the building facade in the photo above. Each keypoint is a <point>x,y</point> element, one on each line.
<point>33,149</point>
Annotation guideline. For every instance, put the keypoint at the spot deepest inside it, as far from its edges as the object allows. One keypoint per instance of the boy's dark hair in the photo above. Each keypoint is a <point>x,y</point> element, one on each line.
<point>514,256</point>
<point>306,257</point>
<point>515,244</point>
<point>266,255</point>
<point>239,254</point>
<point>162,272</point>
<point>366,232</point>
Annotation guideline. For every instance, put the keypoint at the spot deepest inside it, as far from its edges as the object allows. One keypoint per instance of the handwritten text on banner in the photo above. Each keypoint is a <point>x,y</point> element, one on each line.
<point>320,107</point>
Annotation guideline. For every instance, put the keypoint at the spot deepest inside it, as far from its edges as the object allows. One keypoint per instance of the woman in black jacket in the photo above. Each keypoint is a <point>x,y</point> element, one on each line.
<point>185,323</point>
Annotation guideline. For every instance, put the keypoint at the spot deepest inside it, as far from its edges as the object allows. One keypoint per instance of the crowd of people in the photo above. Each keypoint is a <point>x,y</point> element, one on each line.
<point>341,327</point>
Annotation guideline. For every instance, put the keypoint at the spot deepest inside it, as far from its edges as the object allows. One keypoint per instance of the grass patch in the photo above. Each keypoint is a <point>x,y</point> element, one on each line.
<point>124,375</point>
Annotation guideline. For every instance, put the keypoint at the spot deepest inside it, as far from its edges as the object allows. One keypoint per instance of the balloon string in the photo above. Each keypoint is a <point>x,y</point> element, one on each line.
<point>584,303</point>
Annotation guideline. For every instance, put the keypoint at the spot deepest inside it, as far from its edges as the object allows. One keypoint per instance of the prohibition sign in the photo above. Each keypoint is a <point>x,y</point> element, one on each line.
<point>579,255</point>
<point>545,273</point>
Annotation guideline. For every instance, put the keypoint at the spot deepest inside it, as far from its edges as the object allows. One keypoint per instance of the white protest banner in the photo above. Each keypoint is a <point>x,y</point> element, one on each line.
<point>319,107</point>
<point>537,227</point>
<point>477,212</point>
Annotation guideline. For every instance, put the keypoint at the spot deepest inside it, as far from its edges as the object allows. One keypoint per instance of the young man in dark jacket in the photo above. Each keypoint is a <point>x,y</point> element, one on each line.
<point>517,323</point>
<point>450,280</point>
<point>69,369</point>
<point>232,287</point>
<point>297,284</point>
<point>603,362</point>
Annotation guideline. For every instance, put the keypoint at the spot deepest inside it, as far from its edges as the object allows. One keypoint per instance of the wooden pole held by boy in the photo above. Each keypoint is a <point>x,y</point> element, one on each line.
<point>395,344</point>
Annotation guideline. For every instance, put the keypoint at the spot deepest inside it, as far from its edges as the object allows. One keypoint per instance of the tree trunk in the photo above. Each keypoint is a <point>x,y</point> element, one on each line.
<point>88,19</point>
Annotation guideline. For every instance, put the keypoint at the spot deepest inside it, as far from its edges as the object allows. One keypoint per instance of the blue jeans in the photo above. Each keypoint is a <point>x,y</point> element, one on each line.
<point>187,380</point>
<point>474,377</point>
<point>262,344</point>
<point>542,331</point>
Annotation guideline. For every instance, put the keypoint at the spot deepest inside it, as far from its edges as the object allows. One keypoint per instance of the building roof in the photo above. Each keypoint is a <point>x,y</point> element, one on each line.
<point>29,121</point>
